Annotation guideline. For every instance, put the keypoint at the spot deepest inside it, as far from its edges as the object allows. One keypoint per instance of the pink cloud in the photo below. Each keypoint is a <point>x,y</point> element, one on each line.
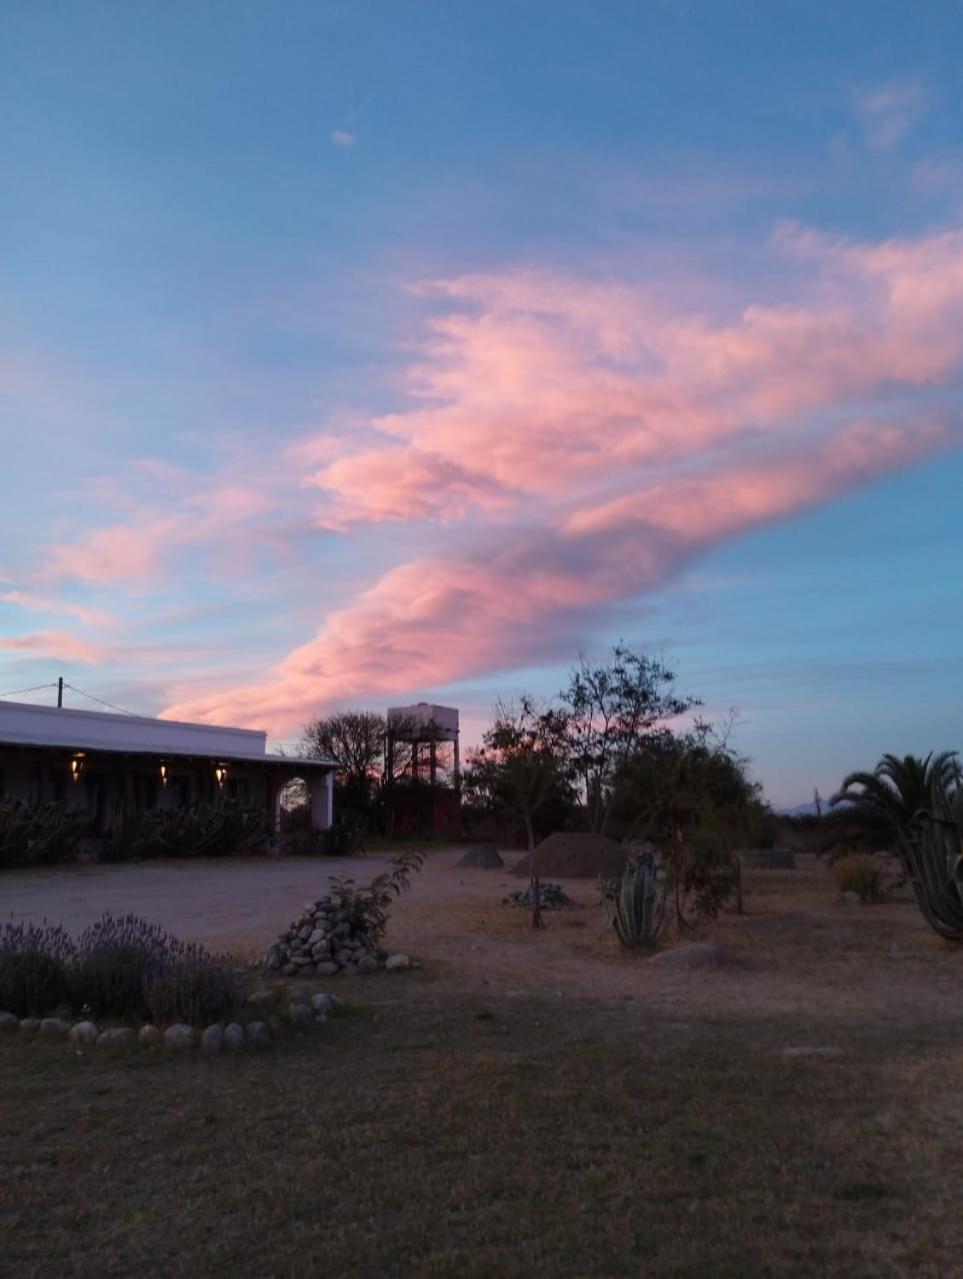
<point>87,614</point>
<point>437,619</point>
<point>145,548</point>
<point>55,644</point>
<point>535,384</point>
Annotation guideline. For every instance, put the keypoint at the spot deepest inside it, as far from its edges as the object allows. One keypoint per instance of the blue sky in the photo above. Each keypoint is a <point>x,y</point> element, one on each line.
<point>351,353</point>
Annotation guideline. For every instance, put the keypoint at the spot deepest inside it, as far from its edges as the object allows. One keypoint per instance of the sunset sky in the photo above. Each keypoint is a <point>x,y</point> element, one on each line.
<point>362,352</point>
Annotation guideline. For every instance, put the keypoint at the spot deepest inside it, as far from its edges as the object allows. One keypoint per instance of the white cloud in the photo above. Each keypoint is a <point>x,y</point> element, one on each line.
<point>342,138</point>
<point>889,111</point>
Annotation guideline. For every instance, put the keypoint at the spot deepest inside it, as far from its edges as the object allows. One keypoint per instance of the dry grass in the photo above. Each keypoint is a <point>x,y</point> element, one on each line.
<point>621,1124</point>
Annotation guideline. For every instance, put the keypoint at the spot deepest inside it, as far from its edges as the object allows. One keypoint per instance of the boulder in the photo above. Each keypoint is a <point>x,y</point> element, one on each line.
<point>179,1036</point>
<point>149,1035</point>
<point>327,969</point>
<point>30,1025</point>
<point>482,857</point>
<point>54,1027</point>
<point>84,1032</point>
<point>8,1022</point>
<point>396,963</point>
<point>257,1034</point>
<point>301,1014</point>
<point>698,954</point>
<point>116,1036</point>
<point>323,1004</point>
<point>233,1037</point>
<point>212,1040</point>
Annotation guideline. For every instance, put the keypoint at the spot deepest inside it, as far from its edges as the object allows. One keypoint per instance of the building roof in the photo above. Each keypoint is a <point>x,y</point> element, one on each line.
<point>26,725</point>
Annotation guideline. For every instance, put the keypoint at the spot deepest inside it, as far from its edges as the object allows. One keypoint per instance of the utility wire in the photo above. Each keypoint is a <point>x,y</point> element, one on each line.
<point>14,692</point>
<point>111,705</point>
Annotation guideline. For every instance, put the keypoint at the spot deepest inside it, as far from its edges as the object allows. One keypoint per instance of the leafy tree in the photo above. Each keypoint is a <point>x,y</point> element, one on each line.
<point>887,801</point>
<point>694,795</point>
<point>610,711</point>
<point>521,764</point>
<point>354,739</point>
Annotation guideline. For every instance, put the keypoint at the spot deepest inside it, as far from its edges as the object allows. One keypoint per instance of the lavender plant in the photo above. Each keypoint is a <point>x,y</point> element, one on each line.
<point>34,964</point>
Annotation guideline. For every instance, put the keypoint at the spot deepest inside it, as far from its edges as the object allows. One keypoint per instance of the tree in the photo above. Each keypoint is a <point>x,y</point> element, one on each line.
<point>521,763</point>
<point>887,801</point>
<point>694,795</point>
<point>355,741</point>
<point>610,710</point>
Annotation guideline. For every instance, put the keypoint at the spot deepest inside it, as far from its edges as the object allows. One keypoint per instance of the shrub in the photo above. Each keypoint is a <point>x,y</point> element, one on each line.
<point>131,968</point>
<point>367,906</point>
<point>190,984</point>
<point>34,968</point>
<point>198,830</point>
<point>39,834</point>
<point>859,873</point>
<point>112,964</point>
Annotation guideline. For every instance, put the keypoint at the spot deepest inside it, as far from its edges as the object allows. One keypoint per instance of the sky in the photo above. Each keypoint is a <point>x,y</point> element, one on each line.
<point>361,353</point>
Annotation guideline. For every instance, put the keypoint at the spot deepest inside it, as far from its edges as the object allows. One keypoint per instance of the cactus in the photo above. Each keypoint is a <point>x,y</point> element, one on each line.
<point>932,852</point>
<point>636,905</point>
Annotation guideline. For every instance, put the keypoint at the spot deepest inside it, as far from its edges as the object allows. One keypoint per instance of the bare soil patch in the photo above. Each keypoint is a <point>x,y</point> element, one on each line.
<point>567,855</point>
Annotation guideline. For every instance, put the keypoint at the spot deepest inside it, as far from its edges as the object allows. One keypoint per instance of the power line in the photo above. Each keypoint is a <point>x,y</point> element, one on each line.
<point>100,700</point>
<point>14,692</point>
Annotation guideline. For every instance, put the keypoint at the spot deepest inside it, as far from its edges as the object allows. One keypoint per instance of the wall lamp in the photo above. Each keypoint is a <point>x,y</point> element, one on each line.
<point>77,766</point>
<point>220,774</point>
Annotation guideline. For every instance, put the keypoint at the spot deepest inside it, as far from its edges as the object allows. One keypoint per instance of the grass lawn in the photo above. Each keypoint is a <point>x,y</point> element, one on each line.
<point>442,1130</point>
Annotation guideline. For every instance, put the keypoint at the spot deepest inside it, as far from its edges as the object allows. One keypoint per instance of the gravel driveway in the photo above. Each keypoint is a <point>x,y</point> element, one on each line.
<point>242,902</point>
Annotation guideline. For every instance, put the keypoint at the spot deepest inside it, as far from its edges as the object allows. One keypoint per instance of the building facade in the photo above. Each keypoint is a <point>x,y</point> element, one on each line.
<point>94,760</point>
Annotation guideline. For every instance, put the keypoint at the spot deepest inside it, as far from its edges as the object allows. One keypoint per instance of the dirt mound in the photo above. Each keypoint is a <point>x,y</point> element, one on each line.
<point>575,856</point>
<point>482,857</point>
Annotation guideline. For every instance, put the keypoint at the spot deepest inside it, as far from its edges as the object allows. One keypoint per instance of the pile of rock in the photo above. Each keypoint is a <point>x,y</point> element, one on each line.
<point>550,897</point>
<point>321,943</point>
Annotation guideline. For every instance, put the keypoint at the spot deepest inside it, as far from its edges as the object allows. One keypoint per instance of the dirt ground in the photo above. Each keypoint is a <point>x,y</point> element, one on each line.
<point>797,949</point>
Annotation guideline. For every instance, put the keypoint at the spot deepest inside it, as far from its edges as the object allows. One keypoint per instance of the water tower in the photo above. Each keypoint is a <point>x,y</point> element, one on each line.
<point>417,809</point>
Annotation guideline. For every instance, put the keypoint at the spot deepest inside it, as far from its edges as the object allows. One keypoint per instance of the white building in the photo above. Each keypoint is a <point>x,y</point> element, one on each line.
<point>93,760</point>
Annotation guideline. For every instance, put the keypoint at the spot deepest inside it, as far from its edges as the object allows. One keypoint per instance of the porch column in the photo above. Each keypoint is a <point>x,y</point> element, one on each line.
<point>322,799</point>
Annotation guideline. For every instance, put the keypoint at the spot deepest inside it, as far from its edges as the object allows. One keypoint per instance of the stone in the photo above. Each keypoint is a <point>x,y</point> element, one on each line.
<point>290,970</point>
<point>257,1034</point>
<point>343,956</point>
<point>179,1036</point>
<point>9,1021</point>
<point>84,1032</point>
<point>852,899</point>
<point>698,954</point>
<point>212,1040</point>
<point>300,961</point>
<point>116,1036</point>
<point>396,963</point>
<point>30,1025</point>
<point>258,997</point>
<point>326,970</point>
<point>273,964</point>
<point>367,964</point>
<point>54,1027</point>
<point>149,1035</point>
<point>812,1050</point>
<point>300,1014</point>
<point>233,1037</point>
<point>323,1004</point>
<point>481,857</point>
<point>316,936</point>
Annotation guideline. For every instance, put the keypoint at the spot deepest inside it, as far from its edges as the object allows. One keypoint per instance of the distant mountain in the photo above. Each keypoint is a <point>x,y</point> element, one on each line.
<point>808,810</point>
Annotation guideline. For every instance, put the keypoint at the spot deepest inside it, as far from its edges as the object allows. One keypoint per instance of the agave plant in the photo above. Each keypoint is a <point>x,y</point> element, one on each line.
<point>636,905</point>
<point>932,851</point>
